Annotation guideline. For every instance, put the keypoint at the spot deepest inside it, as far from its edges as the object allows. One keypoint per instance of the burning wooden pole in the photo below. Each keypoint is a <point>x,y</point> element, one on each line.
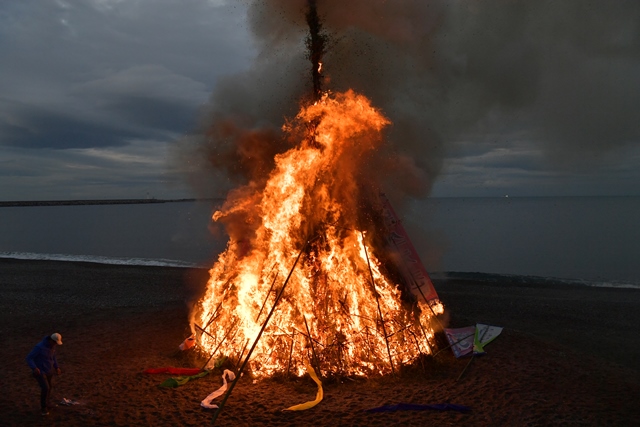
<point>316,46</point>
<point>293,341</point>
<point>215,313</point>
<point>219,344</point>
<point>375,292</point>
<point>241,353</point>
<point>472,356</point>
<point>267,297</point>
<point>313,349</point>
<point>203,331</point>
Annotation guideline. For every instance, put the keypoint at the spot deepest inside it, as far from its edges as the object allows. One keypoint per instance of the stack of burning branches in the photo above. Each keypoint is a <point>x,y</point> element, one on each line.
<point>322,254</point>
<point>324,274</point>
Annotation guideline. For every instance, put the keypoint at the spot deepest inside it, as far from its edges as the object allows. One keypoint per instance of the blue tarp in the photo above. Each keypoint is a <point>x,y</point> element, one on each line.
<point>416,407</point>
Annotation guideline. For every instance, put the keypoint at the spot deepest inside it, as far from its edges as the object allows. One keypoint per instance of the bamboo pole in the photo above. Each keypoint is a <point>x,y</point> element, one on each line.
<point>451,345</point>
<point>435,316</point>
<point>267,297</point>
<point>215,313</point>
<point>373,283</point>
<point>426,339</point>
<point>368,343</point>
<point>465,368</point>
<point>313,349</point>
<point>241,353</point>
<point>471,360</point>
<point>213,316</point>
<point>417,343</point>
<point>293,341</point>
<point>255,343</point>
<point>203,331</point>
<point>216,349</point>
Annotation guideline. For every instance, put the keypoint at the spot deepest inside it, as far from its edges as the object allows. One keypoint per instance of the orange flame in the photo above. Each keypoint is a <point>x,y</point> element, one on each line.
<point>329,311</point>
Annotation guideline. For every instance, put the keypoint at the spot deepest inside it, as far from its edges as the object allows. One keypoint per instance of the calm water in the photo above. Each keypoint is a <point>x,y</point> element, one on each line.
<point>594,239</point>
<point>165,232</point>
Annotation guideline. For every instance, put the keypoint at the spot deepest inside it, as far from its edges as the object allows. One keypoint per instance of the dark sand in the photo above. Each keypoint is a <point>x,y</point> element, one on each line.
<point>568,356</point>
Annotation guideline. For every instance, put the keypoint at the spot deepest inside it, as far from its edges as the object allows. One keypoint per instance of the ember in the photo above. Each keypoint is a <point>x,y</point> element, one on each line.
<point>320,251</point>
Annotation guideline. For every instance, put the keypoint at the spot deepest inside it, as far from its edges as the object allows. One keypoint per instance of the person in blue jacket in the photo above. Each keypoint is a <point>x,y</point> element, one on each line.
<point>42,360</point>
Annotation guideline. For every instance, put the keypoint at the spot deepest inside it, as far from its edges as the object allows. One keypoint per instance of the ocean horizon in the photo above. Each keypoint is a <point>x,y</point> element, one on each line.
<point>580,240</point>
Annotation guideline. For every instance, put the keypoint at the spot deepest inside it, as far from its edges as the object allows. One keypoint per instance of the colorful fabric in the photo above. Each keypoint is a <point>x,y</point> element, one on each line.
<point>179,381</point>
<point>319,394</point>
<point>187,343</point>
<point>173,371</point>
<point>206,403</point>
<point>464,341</point>
<point>416,407</point>
<point>461,340</point>
<point>484,335</point>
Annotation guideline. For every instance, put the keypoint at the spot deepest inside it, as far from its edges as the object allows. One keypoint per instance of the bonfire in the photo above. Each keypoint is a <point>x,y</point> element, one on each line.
<point>324,275</point>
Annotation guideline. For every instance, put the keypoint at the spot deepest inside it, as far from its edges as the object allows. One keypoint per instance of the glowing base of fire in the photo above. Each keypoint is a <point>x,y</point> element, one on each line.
<point>333,324</point>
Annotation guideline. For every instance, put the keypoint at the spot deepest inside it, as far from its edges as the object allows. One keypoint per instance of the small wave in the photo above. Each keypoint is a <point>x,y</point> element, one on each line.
<point>617,285</point>
<point>515,279</point>
<point>437,277</point>
<point>99,259</point>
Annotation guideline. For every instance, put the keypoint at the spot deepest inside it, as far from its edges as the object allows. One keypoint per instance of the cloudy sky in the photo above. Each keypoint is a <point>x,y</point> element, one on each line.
<point>93,92</point>
<point>517,97</point>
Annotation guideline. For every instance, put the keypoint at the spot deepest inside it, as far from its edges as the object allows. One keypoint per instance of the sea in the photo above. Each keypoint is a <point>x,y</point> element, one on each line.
<point>587,240</point>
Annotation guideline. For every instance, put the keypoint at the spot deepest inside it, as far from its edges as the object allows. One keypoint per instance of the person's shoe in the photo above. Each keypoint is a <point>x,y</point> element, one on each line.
<point>45,412</point>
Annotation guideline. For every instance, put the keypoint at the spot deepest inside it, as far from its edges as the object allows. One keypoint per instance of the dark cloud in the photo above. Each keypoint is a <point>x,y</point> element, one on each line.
<point>458,79</point>
<point>73,40</point>
<point>135,170</point>
<point>94,73</point>
<point>158,114</point>
<point>566,71</point>
<point>87,84</point>
<point>143,101</point>
<point>563,74</point>
<point>148,96</point>
<point>33,127</point>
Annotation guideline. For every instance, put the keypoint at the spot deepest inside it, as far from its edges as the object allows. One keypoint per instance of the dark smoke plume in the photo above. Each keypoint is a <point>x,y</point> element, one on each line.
<point>564,74</point>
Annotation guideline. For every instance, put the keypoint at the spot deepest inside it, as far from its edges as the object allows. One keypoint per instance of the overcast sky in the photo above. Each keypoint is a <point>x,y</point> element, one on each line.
<point>525,100</point>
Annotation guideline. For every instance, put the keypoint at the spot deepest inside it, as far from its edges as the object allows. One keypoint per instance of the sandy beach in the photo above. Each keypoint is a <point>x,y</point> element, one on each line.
<point>569,355</point>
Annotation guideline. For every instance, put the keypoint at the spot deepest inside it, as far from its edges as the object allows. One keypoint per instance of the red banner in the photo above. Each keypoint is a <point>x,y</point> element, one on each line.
<point>416,277</point>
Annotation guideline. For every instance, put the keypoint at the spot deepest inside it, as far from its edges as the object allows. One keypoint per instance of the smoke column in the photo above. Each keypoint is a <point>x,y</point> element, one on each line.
<point>452,76</point>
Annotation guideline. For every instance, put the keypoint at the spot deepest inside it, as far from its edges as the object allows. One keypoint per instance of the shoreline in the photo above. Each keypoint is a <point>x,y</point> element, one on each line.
<point>438,277</point>
<point>30,203</point>
<point>119,320</point>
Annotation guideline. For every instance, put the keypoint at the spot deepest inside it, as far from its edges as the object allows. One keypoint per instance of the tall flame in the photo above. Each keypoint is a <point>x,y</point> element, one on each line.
<point>339,309</point>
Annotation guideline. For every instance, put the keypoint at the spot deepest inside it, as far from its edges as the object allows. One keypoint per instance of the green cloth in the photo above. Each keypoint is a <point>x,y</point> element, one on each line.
<point>178,381</point>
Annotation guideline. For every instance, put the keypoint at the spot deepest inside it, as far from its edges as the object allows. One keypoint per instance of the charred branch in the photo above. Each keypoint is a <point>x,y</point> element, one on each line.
<point>315,42</point>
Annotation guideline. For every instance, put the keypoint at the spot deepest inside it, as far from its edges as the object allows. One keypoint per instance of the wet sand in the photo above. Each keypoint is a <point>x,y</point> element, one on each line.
<point>568,355</point>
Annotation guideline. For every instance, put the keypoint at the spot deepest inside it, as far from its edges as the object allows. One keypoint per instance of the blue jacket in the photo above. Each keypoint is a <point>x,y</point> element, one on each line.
<point>43,356</point>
